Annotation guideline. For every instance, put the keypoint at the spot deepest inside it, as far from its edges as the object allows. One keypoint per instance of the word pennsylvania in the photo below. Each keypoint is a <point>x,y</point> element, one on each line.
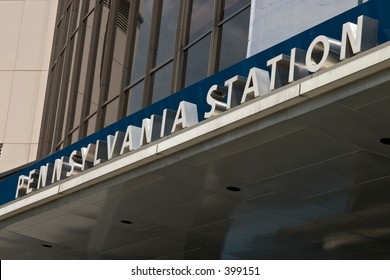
<point>322,53</point>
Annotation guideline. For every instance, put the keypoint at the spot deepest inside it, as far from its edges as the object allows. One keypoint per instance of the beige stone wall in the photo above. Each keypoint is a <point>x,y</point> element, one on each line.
<point>26,34</point>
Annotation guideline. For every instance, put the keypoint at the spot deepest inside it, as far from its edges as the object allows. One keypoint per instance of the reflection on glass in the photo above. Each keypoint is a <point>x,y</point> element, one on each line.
<point>119,49</point>
<point>77,113</point>
<point>168,26</point>
<point>99,59</point>
<point>83,70</point>
<point>197,57</point>
<point>75,136</point>
<point>91,5</point>
<point>234,40</point>
<point>232,6</point>
<point>117,63</point>
<point>162,83</point>
<point>201,18</point>
<point>91,125</point>
<point>115,80</point>
<point>111,111</point>
<point>141,50</point>
<point>74,39</point>
<point>135,98</point>
<point>69,109</point>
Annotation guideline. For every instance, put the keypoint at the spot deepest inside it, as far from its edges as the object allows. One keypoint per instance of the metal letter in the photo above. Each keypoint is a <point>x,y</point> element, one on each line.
<point>32,181</point>
<point>215,98</point>
<point>86,157</point>
<point>61,167</point>
<point>186,116</point>
<point>150,130</point>
<point>297,65</point>
<point>45,175</point>
<point>257,84</point>
<point>132,139</point>
<point>22,186</point>
<point>114,144</point>
<point>167,122</point>
<point>279,71</point>
<point>322,53</point>
<point>75,162</point>
<point>358,38</point>
<point>236,86</point>
<point>100,152</point>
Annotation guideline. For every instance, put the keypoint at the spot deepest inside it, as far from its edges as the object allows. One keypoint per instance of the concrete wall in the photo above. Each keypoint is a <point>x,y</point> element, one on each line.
<point>26,34</point>
<point>273,21</point>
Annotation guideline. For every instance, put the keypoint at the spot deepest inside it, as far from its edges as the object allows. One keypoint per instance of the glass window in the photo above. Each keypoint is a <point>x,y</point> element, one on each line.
<point>91,4</point>
<point>117,64</point>
<point>141,50</point>
<point>162,82</point>
<point>232,6</point>
<point>111,111</point>
<point>99,58</point>
<point>201,18</point>
<point>197,57</point>
<point>83,70</point>
<point>91,125</point>
<point>234,39</point>
<point>77,115</point>
<point>119,50</point>
<point>75,136</point>
<point>168,26</point>
<point>135,98</point>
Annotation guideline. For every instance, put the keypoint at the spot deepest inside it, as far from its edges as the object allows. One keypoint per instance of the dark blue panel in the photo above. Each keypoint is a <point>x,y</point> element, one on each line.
<point>196,93</point>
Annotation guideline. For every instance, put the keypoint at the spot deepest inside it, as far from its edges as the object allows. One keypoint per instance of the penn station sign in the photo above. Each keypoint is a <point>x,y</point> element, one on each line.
<point>322,53</point>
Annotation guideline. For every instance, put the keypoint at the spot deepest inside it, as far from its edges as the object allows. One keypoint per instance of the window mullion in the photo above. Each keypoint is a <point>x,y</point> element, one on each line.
<point>216,33</point>
<point>129,57</point>
<point>181,41</point>
<point>90,73</point>
<point>152,52</point>
<point>76,74</point>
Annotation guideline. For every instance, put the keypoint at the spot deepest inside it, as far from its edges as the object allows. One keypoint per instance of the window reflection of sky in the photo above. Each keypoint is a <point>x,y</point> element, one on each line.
<point>197,61</point>
<point>168,26</point>
<point>198,43</point>
<point>162,82</point>
<point>135,98</point>
<point>142,40</point>
<point>234,37</point>
<point>201,18</point>
<point>232,6</point>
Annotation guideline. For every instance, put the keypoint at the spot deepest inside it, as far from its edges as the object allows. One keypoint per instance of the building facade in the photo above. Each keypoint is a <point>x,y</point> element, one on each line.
<point>112,58</point>
<point>26,32</point>
<point>209,130</point>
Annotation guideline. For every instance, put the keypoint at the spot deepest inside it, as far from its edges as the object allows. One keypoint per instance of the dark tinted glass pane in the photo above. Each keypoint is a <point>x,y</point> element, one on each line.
<point>99,59</point>
<point>75,136</point>
<point>83,71</point>
<point>111,112</point>
<point>201,18</point>
<point>162,83</point>
<point>135,98</point>
<point>234,39</point>
<point>232,6</point>
<point>197,57</point>
<point>91,125</point>
<point>117,64</point>
<point>142,41</point>
<point>168,26</point>
<point>119,49</point>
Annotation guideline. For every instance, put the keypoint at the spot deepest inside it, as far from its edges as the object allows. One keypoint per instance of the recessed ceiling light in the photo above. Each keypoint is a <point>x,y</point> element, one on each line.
<point>385,141</point>
<point>127,222</point>
<point>233,189</point>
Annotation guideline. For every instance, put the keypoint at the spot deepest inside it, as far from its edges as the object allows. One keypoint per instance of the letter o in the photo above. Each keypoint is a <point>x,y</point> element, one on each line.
<point>319,54</point>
